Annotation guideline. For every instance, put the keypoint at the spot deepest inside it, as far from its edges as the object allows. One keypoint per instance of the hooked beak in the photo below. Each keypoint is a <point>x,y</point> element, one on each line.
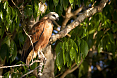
<point>57,19</point>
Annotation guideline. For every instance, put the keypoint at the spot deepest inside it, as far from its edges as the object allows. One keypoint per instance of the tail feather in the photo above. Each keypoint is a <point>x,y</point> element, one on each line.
<point>27,54</point>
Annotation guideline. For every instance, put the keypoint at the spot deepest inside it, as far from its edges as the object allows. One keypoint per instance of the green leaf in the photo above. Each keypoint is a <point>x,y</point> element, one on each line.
<point>21,38</point>
<point>1,15</point>
<point>115,15</point>
<point>63,48</point>
<point>3,30</point>
<point>13,12</point>
<point>4,51</point>
<point>71,2</point>
<point>66,46</point>
<point>32,77</point>
<point>59,55</point>
<point>6,75</point>
<point>84,48</point>
<point>11,27</point>
<point>0,31</point>
<point>7,41</point>
<point>55,2</point>
<point>13,51</point>
<point>28,11</point>
<point>73,44</point>
<point>50,5</point>
<point>59,9</point>
<point>113,48</point>
<point>43,1</point>
<point>36,6</point>
<point>8,10</point>
<point>79,41</point>
<point>100,46</point>
<point>114,27</point>
<point>85,2</point>
<point>111,37</point>
<point>67,57</point>
<point>77,2</point>
<point>72,54</point>
<point>83,69</point>
<point>78,58</point>
<point>5,4</point>
<point>65,4</point>
<point>16,17</point>
<point>92,31</point>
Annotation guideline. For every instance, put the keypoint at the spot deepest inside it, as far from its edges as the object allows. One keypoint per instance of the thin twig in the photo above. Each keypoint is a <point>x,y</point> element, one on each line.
<point>19,65</point>
<point>29,72</point>
<point>12,66</point>
<point>16,6</point>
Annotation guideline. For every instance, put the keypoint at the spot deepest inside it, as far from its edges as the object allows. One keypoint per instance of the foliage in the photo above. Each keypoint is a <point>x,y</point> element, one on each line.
<point>71,49</point>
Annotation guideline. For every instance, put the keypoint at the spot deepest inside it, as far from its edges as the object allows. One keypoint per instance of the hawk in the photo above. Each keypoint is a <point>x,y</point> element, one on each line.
<point>40,34</point>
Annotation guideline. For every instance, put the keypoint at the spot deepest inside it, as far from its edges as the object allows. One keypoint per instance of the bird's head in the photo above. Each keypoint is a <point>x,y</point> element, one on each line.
<point>53,16</point>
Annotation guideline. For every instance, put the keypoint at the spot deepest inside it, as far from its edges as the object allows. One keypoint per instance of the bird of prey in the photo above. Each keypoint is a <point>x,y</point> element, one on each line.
<point>40,34</point>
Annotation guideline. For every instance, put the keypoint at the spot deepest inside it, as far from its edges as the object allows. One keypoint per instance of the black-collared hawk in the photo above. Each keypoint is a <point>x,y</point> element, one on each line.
<point>40,35</point>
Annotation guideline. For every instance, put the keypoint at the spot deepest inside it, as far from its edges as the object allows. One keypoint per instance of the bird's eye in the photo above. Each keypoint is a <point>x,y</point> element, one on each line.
<point>53,15</point>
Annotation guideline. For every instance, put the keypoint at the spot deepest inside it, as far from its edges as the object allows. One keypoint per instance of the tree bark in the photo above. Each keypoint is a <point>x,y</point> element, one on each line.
<point>48,71</point>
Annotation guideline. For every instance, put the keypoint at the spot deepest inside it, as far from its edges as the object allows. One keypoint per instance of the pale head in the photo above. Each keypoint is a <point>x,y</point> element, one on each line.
<point>53,16</point>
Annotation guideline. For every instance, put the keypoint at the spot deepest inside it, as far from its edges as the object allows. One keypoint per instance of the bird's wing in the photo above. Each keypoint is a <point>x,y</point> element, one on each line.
<point>35,33</point>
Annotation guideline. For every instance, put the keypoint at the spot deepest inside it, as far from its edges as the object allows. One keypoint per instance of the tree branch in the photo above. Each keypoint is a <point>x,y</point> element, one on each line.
<point>78,20</point>
<point>70,14</point>
<point>72,69</point>
<point>78,10</point>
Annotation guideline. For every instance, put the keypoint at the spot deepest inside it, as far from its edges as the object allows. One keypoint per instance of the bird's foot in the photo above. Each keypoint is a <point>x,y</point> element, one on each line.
<point>41,56</point>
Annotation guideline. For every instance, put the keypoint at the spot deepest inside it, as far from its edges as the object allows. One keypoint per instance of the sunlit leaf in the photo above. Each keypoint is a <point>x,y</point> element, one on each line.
<point>71,2</point>
<point>92,31</point>
<point>72,54</point>
<point>5,4</point>
<point>1,15</point>
<point>8,10</point>
<point>71,44</point>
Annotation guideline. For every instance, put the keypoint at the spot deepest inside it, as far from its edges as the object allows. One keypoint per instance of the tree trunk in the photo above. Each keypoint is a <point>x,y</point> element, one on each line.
<point>48,70</point>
